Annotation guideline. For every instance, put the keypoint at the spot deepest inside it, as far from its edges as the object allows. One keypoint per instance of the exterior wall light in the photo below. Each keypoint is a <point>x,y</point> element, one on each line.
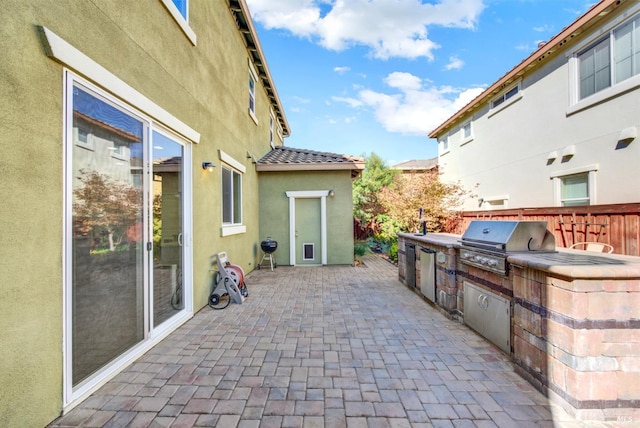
<point>332,193</point>
<point>208,166</point>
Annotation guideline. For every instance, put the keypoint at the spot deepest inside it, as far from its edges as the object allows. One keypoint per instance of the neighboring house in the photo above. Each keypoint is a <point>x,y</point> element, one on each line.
<point>559,129</point>
<point>417,165</point>
<point>306,205</point>
<point>149,115</point>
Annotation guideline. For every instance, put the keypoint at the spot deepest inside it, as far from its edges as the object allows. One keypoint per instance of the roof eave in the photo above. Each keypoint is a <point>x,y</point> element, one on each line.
<point>531,61</point>
<point>257,55</point>
<point>357,166</point>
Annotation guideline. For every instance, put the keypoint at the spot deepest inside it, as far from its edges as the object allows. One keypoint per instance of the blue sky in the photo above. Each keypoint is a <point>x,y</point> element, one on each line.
<point>363,76</point>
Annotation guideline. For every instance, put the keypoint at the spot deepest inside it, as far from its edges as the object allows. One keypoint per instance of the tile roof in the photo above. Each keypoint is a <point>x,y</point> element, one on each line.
<point>290,155</point>
<point>282,158</point>
<point>417,165</point>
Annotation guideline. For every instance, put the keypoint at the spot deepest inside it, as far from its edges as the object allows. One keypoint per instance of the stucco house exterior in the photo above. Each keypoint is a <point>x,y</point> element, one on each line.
<point>130,133</point>
<point>560,128</point>
<point>309,210</point>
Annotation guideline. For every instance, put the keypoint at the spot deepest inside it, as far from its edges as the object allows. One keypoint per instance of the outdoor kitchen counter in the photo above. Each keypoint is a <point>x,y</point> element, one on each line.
<point>577,264</point>
<point>447,240</point>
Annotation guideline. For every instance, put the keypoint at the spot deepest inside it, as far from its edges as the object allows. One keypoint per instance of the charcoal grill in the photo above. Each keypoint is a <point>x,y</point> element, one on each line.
<point>487,243</point>
<point>269,246</point>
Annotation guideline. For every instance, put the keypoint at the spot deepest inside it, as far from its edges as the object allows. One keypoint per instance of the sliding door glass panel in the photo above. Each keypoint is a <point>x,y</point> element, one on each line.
<point>107,238</point>
<point>167,228</point>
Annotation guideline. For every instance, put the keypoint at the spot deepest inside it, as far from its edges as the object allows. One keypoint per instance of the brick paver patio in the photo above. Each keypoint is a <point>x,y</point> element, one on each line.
<point>321,347</point>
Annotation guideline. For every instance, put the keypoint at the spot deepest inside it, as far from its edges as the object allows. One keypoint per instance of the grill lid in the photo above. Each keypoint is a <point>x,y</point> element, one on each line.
<point>502,235</point>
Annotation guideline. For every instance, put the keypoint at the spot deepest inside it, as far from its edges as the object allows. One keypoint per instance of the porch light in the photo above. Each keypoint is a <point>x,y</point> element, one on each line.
<point>208,166</point>
<point>332,193</point>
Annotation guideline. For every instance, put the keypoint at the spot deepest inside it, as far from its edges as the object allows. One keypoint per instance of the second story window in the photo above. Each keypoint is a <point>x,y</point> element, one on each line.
<point>505,96</point>
<point>252,93</point>
<point>182,6</point>
<point>271,124</point>
<point>444,144</point>
<point>610,60</point>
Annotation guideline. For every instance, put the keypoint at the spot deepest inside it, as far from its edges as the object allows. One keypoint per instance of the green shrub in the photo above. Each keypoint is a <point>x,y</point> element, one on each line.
<point>393,251</point>
<point>360,248</point>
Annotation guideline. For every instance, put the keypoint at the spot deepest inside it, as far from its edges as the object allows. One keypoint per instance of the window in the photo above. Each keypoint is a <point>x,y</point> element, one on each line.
<point>182,6</point>
<point>444,144</point>
<point>626,41</point>
<point>595,72</point>
<point>509,94</point>
<point>271,123</point>
<point>611,60</point>
<point>252,93</point>
<point>231,196</point>
<point>466,133</point>
<point>574,190</point>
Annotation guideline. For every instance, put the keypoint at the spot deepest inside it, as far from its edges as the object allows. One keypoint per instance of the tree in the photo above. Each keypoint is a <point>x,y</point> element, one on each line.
<point>419,197</point>
<point>387,202</point>
<point>104,206</point>
<point>366,188</point>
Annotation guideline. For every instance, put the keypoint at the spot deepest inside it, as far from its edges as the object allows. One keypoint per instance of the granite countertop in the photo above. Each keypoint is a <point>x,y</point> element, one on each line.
<point>580,264</point>
<point>443,239</point>
<point>576,264</point>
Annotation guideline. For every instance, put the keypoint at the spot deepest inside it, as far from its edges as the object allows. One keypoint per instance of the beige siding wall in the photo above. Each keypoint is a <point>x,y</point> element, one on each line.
<point>205,86</point>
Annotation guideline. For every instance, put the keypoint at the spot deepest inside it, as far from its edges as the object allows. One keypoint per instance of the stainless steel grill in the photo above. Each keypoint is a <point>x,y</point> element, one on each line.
<point>486,243</point>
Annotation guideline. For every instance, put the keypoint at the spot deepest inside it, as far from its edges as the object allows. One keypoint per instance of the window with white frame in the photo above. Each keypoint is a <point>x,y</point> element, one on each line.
<point>574,190</point>
<point>231,196</point>
<point>466,133</point>
<point>611,60</point>
<point>444,144</point>
<point>182,6</point>
<point>179,10</point>
<point>272,121</point>
<point>252,93</point>
<point>507,95</point>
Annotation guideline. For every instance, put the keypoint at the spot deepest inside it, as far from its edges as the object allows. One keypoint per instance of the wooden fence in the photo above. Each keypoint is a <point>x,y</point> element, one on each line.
<point>616,225</point>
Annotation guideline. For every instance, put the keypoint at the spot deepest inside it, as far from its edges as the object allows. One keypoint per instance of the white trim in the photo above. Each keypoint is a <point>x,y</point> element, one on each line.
<point>313,249</point>
<point>580,170</point>
<point>180,20</point>
<point>232,230</point>
<point>591,182</point>
<point>229,160</point>
<point>307,194</point>
<point>66,54</point>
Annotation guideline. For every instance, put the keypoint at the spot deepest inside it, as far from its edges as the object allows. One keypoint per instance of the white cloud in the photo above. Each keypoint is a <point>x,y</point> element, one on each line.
<point>352,102</point>
<point>455,63</point>
<point>341,70</point>
<point>390,28</point>
<point>416,108</point>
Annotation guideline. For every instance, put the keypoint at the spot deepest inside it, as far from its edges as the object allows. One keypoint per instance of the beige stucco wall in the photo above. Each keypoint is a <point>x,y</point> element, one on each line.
<point>508,155</point>
<point>204,86</point>
<point>274,211</point>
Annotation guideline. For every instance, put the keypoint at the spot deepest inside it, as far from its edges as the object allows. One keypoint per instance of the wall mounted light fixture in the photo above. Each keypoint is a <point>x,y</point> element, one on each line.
<point>332,193</point>
<point>208,166</point>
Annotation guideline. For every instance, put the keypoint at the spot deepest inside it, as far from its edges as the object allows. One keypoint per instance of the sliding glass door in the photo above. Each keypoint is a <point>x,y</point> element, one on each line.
<point>125,189</point>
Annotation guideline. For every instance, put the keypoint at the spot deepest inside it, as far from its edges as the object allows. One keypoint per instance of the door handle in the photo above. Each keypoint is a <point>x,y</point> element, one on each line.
<point>180,239</point>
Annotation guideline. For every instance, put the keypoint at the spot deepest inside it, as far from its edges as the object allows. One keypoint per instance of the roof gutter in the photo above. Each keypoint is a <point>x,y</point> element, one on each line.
<point>535,59</point>
<point>242,16</point>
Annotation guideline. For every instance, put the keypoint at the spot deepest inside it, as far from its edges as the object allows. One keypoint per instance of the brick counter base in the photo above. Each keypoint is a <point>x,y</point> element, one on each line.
<point>578,341</point>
